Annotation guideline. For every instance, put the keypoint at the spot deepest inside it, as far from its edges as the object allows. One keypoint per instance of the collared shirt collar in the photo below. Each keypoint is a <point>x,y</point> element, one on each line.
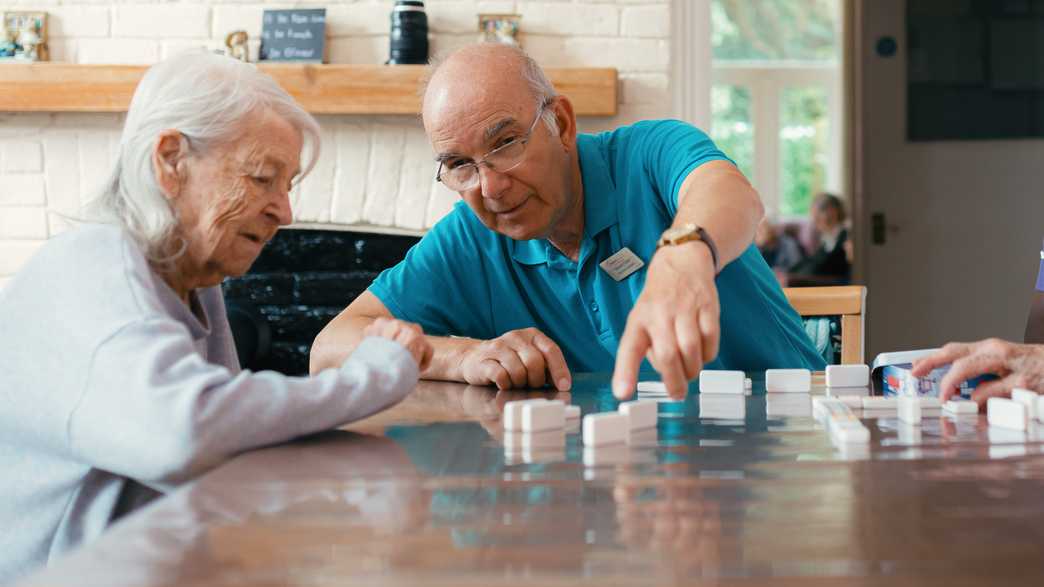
<point>601,208</point>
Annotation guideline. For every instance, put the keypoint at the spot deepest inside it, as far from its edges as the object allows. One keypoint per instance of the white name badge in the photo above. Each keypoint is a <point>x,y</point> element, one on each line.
<point>622,264</point>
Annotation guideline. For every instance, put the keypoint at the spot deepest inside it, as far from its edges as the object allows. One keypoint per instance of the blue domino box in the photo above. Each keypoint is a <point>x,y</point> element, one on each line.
<point>890,376</point>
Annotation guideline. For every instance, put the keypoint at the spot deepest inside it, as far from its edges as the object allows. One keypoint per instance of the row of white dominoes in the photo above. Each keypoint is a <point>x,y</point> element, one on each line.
<point>737,383</point>
<point>776,380</point>
<point>613,427</point>
<point>1017,412</point>
<point>538,414</point>
<point>535,429</point>
<point>892,402</point>
<point>527,421</point>
<point>844,427</point>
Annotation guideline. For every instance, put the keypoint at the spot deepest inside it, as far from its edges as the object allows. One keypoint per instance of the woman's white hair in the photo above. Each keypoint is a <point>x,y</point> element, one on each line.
<point>207,98</point>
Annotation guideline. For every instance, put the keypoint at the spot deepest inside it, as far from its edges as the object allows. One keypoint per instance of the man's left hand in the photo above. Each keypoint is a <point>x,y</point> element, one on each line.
<point>674,323</point>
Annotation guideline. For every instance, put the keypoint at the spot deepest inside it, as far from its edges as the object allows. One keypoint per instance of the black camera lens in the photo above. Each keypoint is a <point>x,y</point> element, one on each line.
<point>409,33</point>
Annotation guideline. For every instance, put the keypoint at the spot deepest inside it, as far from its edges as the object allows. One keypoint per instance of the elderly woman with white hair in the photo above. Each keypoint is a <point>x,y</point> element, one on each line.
<point>119,376</point>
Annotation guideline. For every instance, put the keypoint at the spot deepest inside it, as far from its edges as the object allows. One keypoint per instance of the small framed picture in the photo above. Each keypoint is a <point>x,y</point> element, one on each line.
<point>499,28</point>
<point>24,36</point>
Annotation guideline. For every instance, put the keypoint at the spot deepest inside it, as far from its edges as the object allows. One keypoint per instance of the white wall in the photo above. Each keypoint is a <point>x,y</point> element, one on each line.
<point>375,172</point>
<point>966,217</point>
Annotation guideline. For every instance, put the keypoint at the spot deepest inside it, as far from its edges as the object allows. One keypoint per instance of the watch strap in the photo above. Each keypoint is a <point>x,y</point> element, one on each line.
<point>710,245</point>
<point>694,233</point>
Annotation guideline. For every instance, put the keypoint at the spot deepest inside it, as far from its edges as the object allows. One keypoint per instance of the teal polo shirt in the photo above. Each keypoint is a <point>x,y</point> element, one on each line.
<point>466,280</point>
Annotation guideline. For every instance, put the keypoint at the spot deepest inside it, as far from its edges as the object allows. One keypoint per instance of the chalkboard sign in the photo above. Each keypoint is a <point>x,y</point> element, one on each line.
<point>293,35</point>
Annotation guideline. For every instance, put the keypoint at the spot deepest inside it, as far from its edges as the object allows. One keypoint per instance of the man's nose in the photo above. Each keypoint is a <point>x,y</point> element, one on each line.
<point>494,183</point>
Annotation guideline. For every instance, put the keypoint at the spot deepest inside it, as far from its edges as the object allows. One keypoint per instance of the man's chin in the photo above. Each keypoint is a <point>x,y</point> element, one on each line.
<point>521,233</point>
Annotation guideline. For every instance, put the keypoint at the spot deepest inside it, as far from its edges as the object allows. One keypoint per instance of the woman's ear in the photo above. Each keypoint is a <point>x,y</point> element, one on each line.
<point>167,158</point>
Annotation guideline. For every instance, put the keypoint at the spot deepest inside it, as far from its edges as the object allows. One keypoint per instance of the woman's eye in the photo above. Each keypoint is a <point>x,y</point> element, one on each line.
<point>260,180</point>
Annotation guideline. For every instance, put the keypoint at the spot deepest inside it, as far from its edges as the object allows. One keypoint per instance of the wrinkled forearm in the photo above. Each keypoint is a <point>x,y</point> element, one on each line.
<point>717,197</point>
<point>154,410</point>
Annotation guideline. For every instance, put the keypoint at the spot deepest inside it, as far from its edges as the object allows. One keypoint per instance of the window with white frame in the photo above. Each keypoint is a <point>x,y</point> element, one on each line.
<point>776,97</point>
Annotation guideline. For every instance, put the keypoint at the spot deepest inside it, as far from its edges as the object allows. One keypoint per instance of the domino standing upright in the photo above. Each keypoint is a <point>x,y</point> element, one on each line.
<point>788,380</point>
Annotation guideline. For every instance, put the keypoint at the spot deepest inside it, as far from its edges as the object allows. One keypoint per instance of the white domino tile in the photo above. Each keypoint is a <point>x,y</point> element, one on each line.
<point>723,407</point>
<point>854,402</point>
<point>513,413</point>
<point>572,412</point>
<point>1006,413</point>
<point>537,416</point>
<point>548,439</point>
<point>606,456</point>
<point>787,405</point>
<point>604,428</point>
<point>850,396</point>
<point>910,409</point>
<point>644,438</point>
<point>844,427</point>
<point>847,375</point>
<point>961,407</point>
<point>723,382</point>
<point>1027,398</point>
<point>820,405</point>
<point>640,413</point>
<point>836,413</point>
<point>652,387</point>
<point>788,380</point>
<point>850,434</point>
<point>929,403</point>
<point>878,402</point>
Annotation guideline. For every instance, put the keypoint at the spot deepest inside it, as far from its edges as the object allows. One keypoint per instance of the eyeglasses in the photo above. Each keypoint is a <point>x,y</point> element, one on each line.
<point>463,175</point>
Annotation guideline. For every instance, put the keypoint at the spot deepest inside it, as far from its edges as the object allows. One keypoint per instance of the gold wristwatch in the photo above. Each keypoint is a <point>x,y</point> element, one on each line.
<point>689,232</point>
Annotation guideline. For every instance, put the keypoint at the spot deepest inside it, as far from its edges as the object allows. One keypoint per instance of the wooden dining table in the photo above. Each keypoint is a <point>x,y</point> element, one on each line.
<point>746,490</point>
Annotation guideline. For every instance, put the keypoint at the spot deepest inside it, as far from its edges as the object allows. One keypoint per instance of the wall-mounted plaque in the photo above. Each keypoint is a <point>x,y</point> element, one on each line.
<point>293,35</point>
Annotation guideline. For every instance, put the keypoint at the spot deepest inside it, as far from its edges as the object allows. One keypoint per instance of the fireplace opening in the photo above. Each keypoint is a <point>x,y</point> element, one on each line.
<point>302,280</point>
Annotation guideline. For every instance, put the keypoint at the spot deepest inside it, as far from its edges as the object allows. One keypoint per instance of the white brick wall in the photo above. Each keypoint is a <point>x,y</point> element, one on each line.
<point>374,171</point>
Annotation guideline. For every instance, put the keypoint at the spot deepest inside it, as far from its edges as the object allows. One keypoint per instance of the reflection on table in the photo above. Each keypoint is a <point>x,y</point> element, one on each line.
<point>745,489</point>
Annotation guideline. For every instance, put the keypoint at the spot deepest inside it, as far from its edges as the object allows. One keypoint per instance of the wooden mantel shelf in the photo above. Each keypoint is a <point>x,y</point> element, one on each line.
<point>322,89</point>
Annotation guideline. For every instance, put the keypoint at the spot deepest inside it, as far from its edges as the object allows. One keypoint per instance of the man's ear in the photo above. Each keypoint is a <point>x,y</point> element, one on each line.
<point>566,119</point>
<point>167,162</point>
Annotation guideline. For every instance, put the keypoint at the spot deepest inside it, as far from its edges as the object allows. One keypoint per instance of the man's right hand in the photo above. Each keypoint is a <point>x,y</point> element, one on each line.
<point>517,359</point>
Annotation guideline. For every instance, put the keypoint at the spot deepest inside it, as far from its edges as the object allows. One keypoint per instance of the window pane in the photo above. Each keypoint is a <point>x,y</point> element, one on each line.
<point>775,29</point>
<point>732,127</point>
<point>804,134</point>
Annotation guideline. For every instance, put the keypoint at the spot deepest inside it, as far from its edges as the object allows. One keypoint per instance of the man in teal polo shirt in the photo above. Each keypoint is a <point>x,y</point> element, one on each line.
<point>572,251</point>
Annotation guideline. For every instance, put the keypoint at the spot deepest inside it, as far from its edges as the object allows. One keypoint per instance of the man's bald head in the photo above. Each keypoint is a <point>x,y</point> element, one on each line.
<point>503,139</point>
<point>476,74</point>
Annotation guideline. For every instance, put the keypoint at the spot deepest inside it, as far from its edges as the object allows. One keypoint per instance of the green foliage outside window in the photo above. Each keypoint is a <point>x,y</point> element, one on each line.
<point>733,131</point>
<point>774,30</point>
<point>804,135</point>
<point>769,31</point>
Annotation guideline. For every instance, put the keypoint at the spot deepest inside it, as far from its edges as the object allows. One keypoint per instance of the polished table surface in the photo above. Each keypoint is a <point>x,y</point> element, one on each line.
<point>427,494</point>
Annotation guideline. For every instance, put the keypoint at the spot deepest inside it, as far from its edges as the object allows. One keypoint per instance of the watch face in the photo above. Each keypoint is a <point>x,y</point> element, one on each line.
<point>677,232</point>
